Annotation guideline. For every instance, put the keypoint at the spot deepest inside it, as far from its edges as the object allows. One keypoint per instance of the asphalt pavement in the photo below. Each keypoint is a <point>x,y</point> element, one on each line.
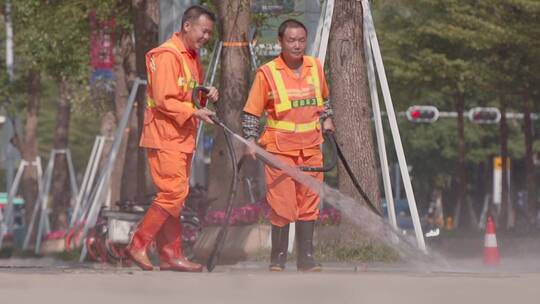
<point>48,280</point>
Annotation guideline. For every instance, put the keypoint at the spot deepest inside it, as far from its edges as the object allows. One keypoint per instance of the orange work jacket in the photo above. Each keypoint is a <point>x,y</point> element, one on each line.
<point>293,105</point>
<point>173,71</point>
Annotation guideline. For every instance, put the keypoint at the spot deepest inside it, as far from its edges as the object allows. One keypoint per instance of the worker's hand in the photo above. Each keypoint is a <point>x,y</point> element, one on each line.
<point>212,94</point>
<point>328,125</point>
<point>249,150</point>
<point>205,115</point>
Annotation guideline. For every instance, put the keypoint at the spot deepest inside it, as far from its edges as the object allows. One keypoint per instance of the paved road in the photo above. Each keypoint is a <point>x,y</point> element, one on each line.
<point>48,281</point>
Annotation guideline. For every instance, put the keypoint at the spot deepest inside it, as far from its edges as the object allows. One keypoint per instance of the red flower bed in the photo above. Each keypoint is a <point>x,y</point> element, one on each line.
<point>260,213</point>
<point>245,215</point>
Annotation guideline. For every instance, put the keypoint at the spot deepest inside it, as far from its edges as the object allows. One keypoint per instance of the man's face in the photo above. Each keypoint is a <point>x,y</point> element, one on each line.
<point>198,32</point>
<point>293,43</point>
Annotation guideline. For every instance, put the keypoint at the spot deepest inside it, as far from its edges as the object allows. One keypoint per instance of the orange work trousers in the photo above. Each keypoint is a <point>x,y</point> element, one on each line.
<point>290,200</point>
<point>170,172</point>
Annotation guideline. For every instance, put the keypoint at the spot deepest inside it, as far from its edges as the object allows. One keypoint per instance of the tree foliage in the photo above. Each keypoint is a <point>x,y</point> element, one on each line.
<point>485,50</point>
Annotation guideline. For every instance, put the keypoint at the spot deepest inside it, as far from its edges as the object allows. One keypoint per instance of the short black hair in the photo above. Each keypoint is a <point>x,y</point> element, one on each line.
<point>193,13</point>
<point>290,23</point>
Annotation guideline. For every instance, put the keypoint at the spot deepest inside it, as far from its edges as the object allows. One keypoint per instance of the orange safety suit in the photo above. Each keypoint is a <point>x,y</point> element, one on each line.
<point>293,104</point>
<point>169,125</point>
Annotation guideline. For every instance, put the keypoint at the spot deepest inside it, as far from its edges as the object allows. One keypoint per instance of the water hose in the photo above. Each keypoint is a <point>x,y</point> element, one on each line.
<point>236,166</point>
<point>220,239</point>
<point>353,177</point>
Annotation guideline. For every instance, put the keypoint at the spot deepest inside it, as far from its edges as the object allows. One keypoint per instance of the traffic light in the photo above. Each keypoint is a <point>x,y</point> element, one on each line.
<point>422,114</point>
<point>487,115</point>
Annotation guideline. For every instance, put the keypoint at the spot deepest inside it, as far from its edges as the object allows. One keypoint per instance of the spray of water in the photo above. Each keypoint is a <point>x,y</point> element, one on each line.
<point>357,213</point>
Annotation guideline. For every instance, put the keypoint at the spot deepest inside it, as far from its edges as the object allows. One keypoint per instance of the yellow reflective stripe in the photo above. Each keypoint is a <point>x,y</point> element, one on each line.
<point>284,98</point>
<point>291,126</point>
<point>187,73</point>
<point>185,82</point>
<point>152,64</point>
<point>284,101</point>
<point>316,81</point>
<point>150,103</point>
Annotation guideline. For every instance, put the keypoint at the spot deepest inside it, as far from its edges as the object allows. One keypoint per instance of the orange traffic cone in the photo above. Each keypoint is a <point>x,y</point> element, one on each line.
<point>491,251</point>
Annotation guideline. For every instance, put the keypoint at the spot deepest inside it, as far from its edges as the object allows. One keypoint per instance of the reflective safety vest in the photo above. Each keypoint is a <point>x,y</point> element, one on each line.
<point>168,120</point>
<point>295,105</point>
<point>186,82</point>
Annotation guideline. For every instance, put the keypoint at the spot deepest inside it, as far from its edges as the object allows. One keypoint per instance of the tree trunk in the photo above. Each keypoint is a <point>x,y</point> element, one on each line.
<point>461,204</point>
<point>130,179</point>
<point>146,21</point>
<point>234,18</point>
<point>124,71</point>
<point>480,185</point>
<point>505,214</point>
<point>529,162</point>
<point>350,97</point>
<point>29,148</point>
<point>60,179</point>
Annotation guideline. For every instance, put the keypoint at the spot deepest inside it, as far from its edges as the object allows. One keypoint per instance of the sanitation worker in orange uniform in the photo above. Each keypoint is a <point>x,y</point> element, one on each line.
<point>170,124</point>
<point>292,91</point>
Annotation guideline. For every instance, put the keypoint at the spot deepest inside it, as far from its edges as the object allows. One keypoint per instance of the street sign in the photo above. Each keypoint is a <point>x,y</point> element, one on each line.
<point>272,6</point>
<point>497,178</point>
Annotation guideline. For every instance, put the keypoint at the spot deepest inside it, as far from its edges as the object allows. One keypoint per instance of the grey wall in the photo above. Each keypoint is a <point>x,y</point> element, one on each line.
<point>170,12</point>
<point>312,9</point>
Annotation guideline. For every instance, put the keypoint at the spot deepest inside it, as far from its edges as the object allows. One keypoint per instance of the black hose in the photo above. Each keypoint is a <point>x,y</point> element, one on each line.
<point>331,164</point>
<point>222,235</point>
<point>354,180</point>
<point>214,118</point>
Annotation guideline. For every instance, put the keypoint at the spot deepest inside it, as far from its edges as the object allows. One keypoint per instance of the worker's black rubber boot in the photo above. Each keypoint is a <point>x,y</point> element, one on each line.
<point>280,242</point>
<point>304,237</point>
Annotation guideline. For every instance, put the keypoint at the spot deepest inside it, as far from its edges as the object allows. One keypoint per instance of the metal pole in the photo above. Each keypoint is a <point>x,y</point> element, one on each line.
<point>10,157</point>
<point>397,176</point>
<point>85,203</point>
<point>208,81</point>
<point>84,184</point>
<point>72,177</point>
<point>197,157</point>
<point>13,192</point>
<point>394,126</point>
<point>213,61</point>
<point>104,177</point>
<point>37,163</point>
<point>7,222</point>
<point>35,211</point>
<point>385,171</point>
<point>323,32</point>
<point>32,220</point>
<point>2,220</point>
<point>36,204</point>
<point>44,200</point>
<point>214,69</point>
<point>313,48</point>
<point>9,41</point>
<point>253,57</point>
